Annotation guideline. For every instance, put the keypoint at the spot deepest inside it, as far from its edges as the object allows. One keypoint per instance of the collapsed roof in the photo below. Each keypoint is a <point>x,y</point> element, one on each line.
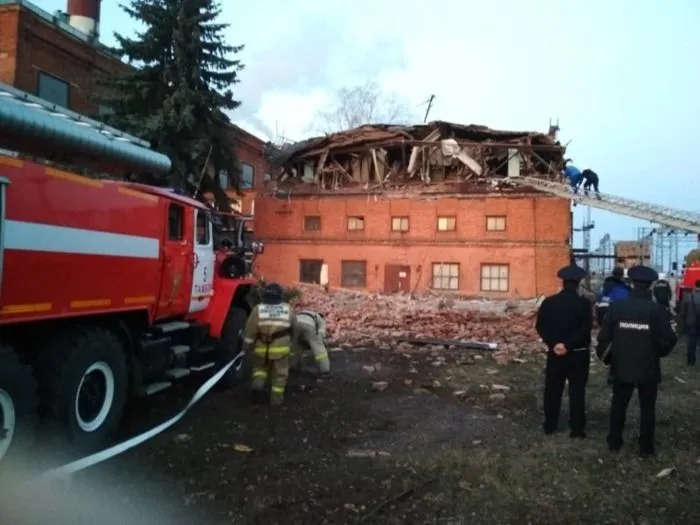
<point>387,155</point>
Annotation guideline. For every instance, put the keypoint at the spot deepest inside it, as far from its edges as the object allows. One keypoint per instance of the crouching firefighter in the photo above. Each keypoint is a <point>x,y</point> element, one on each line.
<point>269,333</point>
<point>312,330</point>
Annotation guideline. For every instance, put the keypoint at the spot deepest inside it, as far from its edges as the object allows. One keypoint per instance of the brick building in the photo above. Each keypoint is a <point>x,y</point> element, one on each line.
<point>376,209</point>
<point>58,57</point>
<point>631,253</point>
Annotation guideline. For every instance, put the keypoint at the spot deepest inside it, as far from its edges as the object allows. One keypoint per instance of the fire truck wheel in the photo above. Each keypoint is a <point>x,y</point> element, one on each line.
<point>19,405</point>
<point>85,383</point>
<point>230,345</point>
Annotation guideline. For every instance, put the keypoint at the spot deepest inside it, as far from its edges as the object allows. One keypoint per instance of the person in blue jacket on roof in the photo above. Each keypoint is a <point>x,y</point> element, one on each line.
<point>573,174</point>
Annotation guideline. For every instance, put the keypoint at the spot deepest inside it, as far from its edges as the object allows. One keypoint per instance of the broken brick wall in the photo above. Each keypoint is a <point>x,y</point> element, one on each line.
<point>533,245</point>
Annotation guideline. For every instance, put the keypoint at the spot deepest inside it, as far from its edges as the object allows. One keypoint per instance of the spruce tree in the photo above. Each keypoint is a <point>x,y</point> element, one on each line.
<point>180,85</point>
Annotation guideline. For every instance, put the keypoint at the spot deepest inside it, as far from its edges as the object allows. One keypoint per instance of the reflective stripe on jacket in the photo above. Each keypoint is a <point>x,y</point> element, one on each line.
<point>270,330</point>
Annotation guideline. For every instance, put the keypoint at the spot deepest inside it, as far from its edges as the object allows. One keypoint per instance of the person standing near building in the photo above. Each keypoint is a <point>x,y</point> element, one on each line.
<point>270,333</point>
<point>635,335</point>
<point>312,329</point>
<point>663,293</point>
<point>690,316</point>
<point>614,289</point>
<point>564,322</point>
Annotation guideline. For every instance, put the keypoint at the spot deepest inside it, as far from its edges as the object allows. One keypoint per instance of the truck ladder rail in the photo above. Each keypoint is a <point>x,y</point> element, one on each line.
<point>673,218</point>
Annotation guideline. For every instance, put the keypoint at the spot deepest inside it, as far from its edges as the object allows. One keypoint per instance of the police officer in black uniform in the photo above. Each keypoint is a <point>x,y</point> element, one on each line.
<point>662,293</point>
<point>635,335</point>
<point>564,322</point>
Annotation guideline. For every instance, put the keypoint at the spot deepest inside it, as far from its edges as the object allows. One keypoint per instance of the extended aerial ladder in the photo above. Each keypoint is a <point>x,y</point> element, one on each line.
<point>663,215</point>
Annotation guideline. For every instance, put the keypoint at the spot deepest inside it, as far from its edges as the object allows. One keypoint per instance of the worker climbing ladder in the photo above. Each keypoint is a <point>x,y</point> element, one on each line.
<point>663,215</point>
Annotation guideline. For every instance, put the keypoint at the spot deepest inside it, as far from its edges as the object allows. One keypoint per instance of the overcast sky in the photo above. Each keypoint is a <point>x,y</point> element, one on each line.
<point>621,76</point>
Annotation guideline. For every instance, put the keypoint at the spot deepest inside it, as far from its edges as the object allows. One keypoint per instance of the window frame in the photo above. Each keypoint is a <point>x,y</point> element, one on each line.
<point>495,219</point>
<point>491,279</point>
<point>360,218</point>
<point>343,282</point>
<point>303,262</point>
<point>203,216</point>
<point>453,218</point>
<point>180,236</point>
<point>442,276</point>
<point>244,184</point>
<point>58,80</point>
<point>308,219</point>
<point>401,219</point>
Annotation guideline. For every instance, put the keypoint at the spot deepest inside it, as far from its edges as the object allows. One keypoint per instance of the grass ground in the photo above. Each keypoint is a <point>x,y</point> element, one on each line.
<point>551,480</point>
<point>402,437</point>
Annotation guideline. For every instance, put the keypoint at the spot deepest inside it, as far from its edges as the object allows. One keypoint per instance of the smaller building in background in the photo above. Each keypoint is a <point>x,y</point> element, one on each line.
<point>59,57</point>
<point>631,253</point>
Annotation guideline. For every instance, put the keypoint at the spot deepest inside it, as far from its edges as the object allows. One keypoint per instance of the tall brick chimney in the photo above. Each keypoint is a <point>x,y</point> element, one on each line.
<point>84,15</point>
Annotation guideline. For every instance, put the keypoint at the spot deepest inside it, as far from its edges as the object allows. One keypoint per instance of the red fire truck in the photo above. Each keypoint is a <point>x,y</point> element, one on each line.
<point>108,289</point>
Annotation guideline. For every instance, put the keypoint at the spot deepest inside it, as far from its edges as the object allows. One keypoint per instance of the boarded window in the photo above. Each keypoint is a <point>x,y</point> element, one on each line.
<point>312,223</point>
<point>175,214</point>
<point>247,175</point>
<point>446,224</point>
<point>53,89</point>
<point>496,223</point>
<point>446,276</point>
<point>353,274</point>
<point>399,224</point>
<point>310,271</point>
<point>494,277</point>
<point>356,223</point>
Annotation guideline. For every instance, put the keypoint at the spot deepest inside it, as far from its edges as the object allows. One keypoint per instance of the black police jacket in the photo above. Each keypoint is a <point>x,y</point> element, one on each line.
<point>565,318</point>
<point>635,335</point>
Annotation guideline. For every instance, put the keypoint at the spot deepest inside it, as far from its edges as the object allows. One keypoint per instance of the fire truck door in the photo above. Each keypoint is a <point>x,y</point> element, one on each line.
<point>176,271</point>
<point>203,278</point>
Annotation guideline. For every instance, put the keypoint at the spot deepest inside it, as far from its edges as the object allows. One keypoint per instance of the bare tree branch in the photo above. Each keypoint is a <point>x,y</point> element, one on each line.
<point>363,104</point>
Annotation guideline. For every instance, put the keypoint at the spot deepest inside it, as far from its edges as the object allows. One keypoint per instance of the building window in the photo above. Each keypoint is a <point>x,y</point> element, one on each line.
<point>312,223</point>
<point>353,274</point>
<point>446,224</point>
<point>247,176</point>
<point>446,276</point>
<point>224,180</point>
<point>356,224</point>
<point>494,277</point>
<point>399,224</point>
<point>53,89</point>
<point>310,271</point>
<point>496,223</point>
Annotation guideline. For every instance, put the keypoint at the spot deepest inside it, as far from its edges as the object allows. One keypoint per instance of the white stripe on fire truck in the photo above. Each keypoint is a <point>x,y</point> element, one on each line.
<point>37,237</point>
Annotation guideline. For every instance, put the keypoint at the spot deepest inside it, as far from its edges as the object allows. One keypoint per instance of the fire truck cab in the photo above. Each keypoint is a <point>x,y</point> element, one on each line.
<point>108,289</point>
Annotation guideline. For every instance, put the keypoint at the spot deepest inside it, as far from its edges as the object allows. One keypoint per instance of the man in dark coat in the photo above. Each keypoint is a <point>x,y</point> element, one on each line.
<point>564,322</point>
<point>590,178</point>
<point>636,334</point>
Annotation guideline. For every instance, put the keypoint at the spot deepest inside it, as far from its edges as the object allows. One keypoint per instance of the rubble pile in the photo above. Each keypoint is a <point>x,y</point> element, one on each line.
<point>359,319</point>
<point>382,157</point>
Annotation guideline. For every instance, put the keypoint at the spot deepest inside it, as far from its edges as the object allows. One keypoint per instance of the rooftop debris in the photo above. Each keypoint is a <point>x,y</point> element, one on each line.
<point>361,319</point>
<point>382,156</point>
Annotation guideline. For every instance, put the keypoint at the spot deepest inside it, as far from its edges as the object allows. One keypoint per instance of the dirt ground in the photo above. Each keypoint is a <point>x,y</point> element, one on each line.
<point>452,438</point>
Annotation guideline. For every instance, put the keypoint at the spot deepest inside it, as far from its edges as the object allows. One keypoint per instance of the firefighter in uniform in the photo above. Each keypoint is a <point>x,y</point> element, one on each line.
<point>312,330</point>
<point>634,337</point>
<point>270,333</point>
<point>564,322</point>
